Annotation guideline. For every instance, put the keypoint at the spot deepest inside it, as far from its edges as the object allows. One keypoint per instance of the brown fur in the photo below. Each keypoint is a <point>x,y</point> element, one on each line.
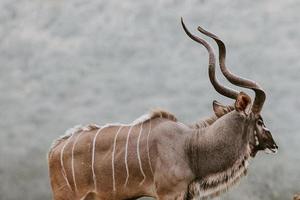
<point>155,113</point>
<point>83,152</point>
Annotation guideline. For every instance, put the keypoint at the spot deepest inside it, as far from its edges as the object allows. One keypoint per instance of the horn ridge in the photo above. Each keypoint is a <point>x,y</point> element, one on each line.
<point>260,95</point>
<point>226,91</point>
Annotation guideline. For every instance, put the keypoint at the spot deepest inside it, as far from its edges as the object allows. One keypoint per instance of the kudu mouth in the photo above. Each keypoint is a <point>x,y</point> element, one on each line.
<point>263,142</point>
<point>271,149</point>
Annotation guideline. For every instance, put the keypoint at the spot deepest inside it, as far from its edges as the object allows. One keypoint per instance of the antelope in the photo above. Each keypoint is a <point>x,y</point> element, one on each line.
<point>296,197</point>
<point>158,156</point>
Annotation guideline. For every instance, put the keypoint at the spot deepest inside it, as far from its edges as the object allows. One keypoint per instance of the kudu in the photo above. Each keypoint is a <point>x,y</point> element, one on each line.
<point>159,157</point>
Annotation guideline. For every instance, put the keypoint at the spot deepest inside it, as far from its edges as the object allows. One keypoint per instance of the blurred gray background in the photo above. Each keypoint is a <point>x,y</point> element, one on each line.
<point>68,62</point>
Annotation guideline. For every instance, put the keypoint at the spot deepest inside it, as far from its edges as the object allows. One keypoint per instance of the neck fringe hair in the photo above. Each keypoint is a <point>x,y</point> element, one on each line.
<point>215,184</point>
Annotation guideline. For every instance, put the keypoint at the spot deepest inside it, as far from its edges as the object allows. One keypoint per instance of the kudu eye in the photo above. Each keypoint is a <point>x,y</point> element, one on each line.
<point>260,122</point>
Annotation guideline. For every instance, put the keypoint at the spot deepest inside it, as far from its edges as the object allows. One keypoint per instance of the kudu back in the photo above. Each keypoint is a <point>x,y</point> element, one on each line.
<point>160,157</point>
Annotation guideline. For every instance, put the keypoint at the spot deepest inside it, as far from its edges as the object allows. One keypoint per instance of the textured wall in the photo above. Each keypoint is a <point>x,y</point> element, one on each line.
<point>64,63</point>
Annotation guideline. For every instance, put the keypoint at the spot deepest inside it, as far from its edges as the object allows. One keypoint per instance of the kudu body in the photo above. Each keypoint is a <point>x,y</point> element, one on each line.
<point>158,156</point>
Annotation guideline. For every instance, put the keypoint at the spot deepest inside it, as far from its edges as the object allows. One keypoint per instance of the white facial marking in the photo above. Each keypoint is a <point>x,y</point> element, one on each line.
<point>270,151</point>
<point>246,163</point>
<point>256,140</point>
<point>113,158</point>
<point>62,161</point>
<point>148,152</point>
<point>73,167</point>
<point>138,155</point>
<point>126,157</point>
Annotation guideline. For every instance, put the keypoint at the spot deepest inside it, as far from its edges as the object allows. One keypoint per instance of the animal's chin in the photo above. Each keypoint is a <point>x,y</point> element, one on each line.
<point>270,151</point>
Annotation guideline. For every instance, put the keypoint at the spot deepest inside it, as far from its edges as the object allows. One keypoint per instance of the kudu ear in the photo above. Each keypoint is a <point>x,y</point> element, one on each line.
<point>242,102</point>
<point>219,109</point>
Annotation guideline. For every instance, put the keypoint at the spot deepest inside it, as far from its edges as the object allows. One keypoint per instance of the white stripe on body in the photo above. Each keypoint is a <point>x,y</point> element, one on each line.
<point>126,157</point>
<point>78,128</point>
<point>93,157</point>
<point>138,154</point>
<point>73,167</point>
<point>62,162</point>
<point>94,149</point>
<point>113,159</point>
<point>148,153</point>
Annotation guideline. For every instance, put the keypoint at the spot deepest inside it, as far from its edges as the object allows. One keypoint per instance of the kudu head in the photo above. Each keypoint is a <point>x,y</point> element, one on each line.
<point>258,136</point>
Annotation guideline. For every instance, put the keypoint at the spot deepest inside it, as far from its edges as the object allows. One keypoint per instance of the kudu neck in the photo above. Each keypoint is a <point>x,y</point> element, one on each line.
<point>217,147</point>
